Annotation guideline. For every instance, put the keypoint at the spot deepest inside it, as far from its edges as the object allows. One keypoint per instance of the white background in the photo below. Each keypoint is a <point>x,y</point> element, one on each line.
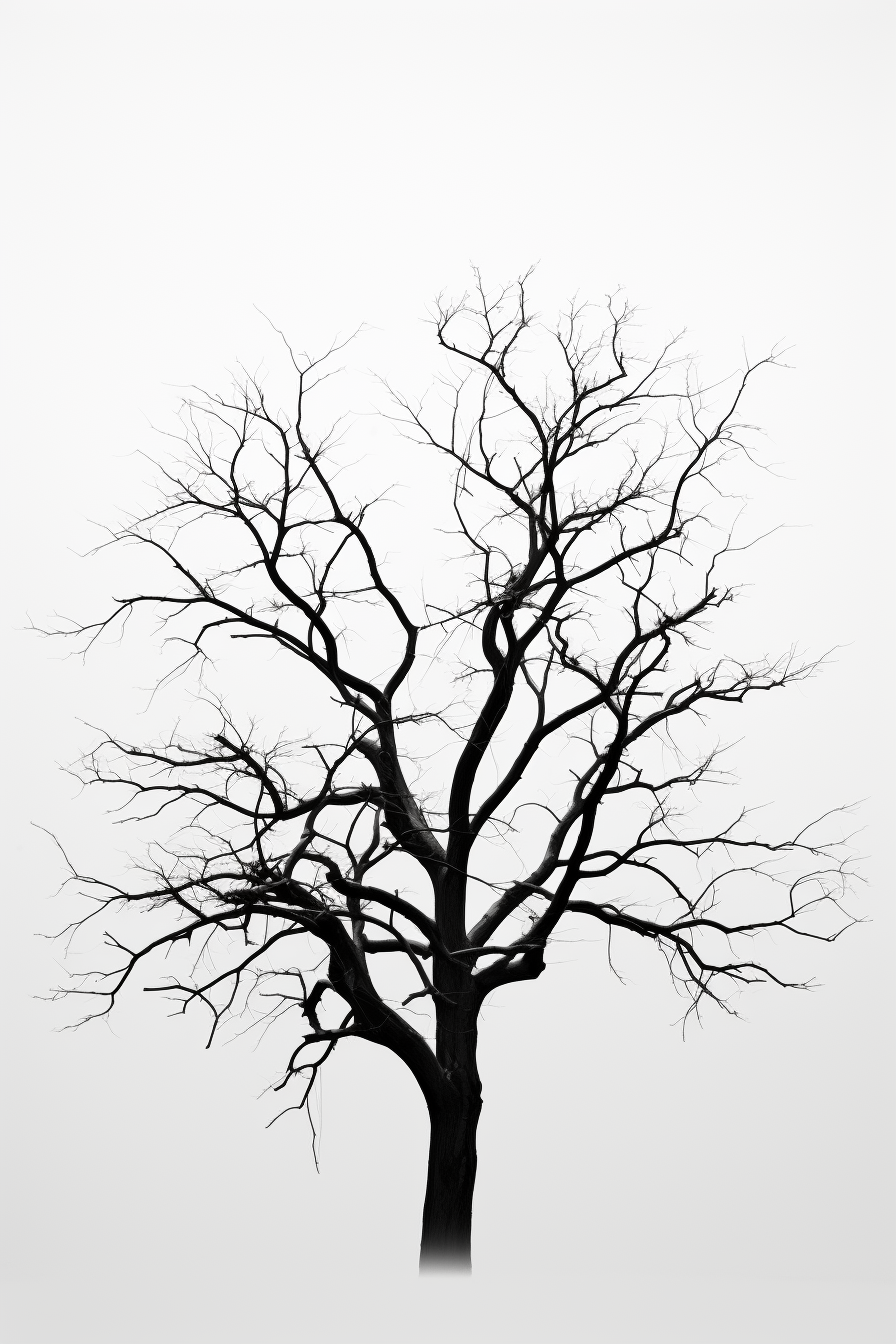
<point>168,167</point>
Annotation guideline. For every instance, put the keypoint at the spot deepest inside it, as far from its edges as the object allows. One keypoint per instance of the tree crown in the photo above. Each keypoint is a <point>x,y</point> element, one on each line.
<point>489,761</point>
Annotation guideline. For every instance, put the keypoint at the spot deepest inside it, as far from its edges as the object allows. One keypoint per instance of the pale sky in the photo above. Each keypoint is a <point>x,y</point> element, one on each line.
<point>170,170</point>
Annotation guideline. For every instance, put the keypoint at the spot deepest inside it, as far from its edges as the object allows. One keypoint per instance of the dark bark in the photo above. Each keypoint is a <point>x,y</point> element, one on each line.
<point>450,1180</point>
<point>454,1110</point>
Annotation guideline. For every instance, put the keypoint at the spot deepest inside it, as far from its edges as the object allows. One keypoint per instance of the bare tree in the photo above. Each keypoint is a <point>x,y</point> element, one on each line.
<point>585,484</point>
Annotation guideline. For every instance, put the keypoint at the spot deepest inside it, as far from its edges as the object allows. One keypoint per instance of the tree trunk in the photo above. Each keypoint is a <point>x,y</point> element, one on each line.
<point>455,1105</point>
<point>451,1176</point>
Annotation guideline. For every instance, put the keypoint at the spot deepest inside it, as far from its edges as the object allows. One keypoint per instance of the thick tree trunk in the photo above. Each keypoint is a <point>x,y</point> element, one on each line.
<point>455,1105</point>
<point>451,1176</point>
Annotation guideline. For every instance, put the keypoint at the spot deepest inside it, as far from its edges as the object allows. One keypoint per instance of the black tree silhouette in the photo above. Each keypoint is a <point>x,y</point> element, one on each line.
<point>585,484</point>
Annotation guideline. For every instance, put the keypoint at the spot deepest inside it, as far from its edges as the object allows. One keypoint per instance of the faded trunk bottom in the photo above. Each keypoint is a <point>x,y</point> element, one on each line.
<point>448,1205</point>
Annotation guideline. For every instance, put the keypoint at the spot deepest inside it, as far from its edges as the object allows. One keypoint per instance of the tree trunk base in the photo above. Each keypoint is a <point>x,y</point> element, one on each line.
<point>446,1261</point>
<point>451,1176</point>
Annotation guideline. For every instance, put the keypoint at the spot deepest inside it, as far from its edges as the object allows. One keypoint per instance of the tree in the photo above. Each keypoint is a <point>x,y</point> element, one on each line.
<point>518,763</point>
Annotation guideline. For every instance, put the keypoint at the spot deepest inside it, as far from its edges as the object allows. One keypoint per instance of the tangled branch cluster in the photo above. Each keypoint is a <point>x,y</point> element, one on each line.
<point>586,511</point>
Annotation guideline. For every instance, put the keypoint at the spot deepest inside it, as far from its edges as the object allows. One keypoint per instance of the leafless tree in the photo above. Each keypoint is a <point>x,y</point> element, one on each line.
<point>520,763</point>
